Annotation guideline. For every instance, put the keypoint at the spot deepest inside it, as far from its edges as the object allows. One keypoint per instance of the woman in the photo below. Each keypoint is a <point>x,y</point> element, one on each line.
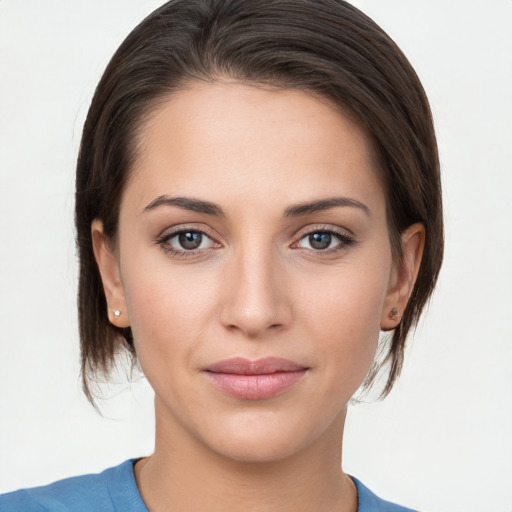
<point>257,197</point>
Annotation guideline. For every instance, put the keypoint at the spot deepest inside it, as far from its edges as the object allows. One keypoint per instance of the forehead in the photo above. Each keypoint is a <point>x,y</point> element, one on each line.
<point>226,140</point>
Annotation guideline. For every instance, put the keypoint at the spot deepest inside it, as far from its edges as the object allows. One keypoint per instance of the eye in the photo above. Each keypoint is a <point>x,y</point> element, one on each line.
<point>186,241</point>
<point>322,240</point>
<point>189,240</point>
<point>319,241</point>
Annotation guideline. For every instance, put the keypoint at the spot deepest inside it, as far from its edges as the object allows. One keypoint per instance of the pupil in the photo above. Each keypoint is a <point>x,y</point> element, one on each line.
<point>190,240</point>
<point>320,240</point>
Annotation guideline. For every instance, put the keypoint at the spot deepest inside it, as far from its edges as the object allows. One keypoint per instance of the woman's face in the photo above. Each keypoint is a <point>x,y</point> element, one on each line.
<point>253,266</point>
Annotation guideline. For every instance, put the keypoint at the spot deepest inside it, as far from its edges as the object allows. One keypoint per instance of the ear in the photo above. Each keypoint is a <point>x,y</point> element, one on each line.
<point>110,275</point>
<point>403,276</point>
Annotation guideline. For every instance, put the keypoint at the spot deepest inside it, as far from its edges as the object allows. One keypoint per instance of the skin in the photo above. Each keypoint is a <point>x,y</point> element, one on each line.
<point>255,288</point>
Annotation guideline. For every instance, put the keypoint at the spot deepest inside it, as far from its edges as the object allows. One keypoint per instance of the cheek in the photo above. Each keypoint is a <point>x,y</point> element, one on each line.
<point>165,321</point>
<point>167,309</point>
<point>342,315</point>
<point>171,310</point>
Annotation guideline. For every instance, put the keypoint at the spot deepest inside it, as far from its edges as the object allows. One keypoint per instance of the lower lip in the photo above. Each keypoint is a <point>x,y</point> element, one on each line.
<point>255,387</point>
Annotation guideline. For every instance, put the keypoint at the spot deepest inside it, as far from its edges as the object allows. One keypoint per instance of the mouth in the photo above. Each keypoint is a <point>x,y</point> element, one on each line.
<point>254,380</point>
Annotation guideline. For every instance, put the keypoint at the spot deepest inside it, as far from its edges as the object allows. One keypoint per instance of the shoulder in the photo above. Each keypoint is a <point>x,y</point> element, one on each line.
<point>370,502</point>
<point>108,491</point>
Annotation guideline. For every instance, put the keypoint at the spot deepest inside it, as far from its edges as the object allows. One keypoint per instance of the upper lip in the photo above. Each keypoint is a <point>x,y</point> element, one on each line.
<point>264,366</point>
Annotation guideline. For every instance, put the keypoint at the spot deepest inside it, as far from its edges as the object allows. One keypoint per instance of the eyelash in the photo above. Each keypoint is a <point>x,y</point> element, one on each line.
<point>345,240</point>
<point>164,239</point>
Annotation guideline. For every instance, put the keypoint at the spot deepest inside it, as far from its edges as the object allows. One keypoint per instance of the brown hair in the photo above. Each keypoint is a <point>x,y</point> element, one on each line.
<point>324,46</point>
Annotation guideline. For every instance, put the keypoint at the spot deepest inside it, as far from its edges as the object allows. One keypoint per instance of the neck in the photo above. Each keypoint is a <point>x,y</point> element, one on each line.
<point>184,475</point>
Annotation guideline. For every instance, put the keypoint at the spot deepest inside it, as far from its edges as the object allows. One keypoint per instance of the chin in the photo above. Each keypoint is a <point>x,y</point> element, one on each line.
<point>258,450</point>
<point>262,440</point>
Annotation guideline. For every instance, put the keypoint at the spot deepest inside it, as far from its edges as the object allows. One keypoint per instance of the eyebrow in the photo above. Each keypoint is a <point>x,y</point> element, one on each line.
<point>324,204</point>
<point>187,203</point>
<point>208,208</point>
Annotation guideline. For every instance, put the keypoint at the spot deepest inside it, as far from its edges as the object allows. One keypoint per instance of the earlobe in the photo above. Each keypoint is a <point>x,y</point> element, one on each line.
<point>404,276</point>
<point>110,276</point>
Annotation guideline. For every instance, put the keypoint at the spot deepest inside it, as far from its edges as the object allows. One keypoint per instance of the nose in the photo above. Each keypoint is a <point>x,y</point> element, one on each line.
<point>255,300</point>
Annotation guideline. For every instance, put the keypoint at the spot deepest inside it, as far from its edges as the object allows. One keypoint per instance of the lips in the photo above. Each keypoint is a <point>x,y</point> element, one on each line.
<point>254,380</point>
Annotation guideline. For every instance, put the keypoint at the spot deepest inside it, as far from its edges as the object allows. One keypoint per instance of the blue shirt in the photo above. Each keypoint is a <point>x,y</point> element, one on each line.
<point>115,490</point>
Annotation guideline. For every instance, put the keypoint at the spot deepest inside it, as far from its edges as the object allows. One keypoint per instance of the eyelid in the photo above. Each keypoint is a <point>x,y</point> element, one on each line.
<point>181,228</point>
<point>324,228</point>
<point>167,234</point>
<point>345,236</point>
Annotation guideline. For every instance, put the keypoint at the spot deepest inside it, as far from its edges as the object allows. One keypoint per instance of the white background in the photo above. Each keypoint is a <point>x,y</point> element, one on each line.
<point>443,440</point>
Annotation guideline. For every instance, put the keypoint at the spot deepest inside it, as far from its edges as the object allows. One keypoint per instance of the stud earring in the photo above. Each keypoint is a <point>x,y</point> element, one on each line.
<point>117,313</point>
<point>394,314</point>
